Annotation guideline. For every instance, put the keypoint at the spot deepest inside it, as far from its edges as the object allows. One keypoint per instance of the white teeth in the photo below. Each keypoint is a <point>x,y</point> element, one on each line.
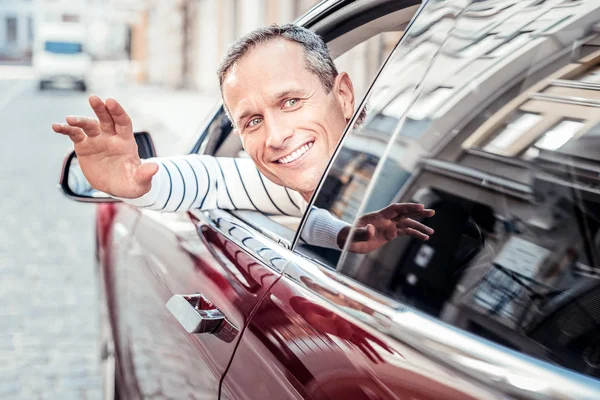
<point>296,154</point>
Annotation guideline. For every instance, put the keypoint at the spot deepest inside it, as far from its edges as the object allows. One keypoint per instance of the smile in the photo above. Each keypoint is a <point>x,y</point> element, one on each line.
<point>296,154</point>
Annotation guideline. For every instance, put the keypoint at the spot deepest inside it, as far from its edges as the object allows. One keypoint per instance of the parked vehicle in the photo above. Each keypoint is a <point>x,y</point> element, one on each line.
<point>485,111</point>
<point>59,56</point>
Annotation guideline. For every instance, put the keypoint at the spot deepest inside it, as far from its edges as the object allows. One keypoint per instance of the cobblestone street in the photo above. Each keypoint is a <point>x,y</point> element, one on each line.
<point>48,290</point>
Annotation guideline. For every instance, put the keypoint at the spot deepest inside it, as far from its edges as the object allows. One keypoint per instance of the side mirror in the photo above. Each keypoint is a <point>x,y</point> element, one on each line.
<point>76,187</point>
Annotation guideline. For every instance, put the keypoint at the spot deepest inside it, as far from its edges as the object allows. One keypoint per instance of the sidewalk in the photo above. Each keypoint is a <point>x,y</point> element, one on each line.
<point>172,117</point>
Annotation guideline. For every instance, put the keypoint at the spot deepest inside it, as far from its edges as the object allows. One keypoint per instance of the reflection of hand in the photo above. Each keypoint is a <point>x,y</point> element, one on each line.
<point>375,229</point>
<point>326,321</point>
<point>107,151</point>
<point>336,297</point>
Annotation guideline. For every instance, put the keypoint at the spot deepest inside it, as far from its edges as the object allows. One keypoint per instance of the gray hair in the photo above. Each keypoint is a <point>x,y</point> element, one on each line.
<point>316,54</point>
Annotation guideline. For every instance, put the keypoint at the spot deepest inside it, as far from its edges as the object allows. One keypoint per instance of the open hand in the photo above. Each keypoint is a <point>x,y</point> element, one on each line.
<point>375,229</point>
<point>106,150</point>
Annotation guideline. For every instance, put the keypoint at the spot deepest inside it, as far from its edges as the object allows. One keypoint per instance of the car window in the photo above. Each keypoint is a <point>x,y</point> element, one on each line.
<point>499,132</point>
<point>370,43</point>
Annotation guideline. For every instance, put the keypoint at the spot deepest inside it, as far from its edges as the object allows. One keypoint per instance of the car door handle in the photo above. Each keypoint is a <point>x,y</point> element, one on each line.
<point>195,313</point>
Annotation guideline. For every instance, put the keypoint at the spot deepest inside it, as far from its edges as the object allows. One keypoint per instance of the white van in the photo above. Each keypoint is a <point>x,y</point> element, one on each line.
<point>59,56</point>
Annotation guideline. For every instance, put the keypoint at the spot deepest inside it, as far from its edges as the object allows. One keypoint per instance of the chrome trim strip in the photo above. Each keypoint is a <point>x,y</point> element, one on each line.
<point>489,363</point>
<point>578,101</point>
<point>575,84</point>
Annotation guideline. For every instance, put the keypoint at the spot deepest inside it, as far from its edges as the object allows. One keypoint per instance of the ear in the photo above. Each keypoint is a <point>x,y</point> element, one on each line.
<point>344,91</point>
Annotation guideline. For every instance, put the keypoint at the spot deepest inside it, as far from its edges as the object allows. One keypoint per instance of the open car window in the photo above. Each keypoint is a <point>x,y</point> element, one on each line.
<point>370,41</point>
<point>494,123</point>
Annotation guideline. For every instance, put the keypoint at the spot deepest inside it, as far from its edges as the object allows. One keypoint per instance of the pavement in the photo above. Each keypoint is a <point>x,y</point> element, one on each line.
<point>48,288</point>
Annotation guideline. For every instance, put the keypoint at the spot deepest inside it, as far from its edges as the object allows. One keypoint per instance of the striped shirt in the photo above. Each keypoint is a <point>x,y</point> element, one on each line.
<point>205,182</point>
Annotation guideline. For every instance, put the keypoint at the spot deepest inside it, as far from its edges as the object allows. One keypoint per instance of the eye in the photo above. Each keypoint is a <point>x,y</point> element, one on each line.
<point>254,122</point>
<point>292,102</point>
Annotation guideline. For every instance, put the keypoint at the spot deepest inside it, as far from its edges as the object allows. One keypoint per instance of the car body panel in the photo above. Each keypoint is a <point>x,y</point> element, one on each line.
<point>298,346</point>
<point>166,257</point>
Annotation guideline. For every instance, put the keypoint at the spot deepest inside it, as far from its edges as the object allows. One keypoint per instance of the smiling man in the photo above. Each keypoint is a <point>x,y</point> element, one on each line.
<point>291,115</point>
<point>289,105</point>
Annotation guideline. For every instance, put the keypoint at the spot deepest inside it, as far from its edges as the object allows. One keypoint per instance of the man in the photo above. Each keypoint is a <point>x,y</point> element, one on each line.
<point>289,106</point>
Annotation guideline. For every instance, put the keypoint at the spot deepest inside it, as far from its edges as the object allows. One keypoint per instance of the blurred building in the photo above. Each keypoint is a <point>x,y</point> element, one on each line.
<point>16,29</point>
<point>179,43</point>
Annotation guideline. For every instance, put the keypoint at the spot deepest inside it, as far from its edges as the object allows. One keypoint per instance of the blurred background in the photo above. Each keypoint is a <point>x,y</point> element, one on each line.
<point>158,58</point>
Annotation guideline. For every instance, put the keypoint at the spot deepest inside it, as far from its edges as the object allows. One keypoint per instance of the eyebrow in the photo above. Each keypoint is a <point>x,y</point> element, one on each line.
<point>242,116</point>
<point>285,93</point>
<point>276,97</point>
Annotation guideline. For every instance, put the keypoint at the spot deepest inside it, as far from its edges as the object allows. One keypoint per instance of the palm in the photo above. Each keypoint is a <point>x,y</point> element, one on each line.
<point>385,231</point>
<point>107,151</point>
<point>109,164</point>
<point>375,229</point>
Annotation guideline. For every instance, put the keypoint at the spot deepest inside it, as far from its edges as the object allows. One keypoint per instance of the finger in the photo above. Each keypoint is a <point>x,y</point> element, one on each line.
<point>414,233</point>
<point>425,213</point>
<point>122,121</point>
<point>401,208</point>
<point>107,125</point>
<point>363,234</point>
<point>145,172</point>
<point>75,133</point>
<point>89,125</point>
<point>411,223</point>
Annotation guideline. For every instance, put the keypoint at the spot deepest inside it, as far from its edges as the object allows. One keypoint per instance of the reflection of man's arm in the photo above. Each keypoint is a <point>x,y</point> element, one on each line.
<point>371,230</point>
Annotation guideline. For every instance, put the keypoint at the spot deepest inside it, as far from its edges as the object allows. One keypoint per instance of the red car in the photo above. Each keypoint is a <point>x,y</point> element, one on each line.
<point>487,112</point>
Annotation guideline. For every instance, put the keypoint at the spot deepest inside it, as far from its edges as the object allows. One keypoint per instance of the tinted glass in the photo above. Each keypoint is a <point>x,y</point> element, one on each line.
<point>63,47</point>
<point>491,120</point>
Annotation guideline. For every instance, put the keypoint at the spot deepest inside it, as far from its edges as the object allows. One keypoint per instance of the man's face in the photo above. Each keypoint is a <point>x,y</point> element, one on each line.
<point>288,124</point>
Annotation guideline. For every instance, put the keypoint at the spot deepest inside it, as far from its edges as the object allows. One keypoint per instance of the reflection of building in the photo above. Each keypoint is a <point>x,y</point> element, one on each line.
<point>561,107</point>
<point>500,104</point>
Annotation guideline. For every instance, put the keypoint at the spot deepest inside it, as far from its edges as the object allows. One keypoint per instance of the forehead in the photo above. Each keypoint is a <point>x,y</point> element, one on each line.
<point>265,70</point>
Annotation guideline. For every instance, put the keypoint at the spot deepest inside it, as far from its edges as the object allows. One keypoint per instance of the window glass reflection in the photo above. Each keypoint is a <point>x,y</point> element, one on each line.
<point>516,127</point>
<point>515,256</point>
<point>592,76</point>
<point>559,135</point>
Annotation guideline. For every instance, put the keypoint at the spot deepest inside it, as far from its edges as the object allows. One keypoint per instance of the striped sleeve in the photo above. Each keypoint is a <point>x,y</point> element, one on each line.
<point>206,182</point>
<point>322,229</point>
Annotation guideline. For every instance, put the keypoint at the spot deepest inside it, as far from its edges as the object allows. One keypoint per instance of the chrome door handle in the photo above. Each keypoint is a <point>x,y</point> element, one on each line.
<point>195,313</point>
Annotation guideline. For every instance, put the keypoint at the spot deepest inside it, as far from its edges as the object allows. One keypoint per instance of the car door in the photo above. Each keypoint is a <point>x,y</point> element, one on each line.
<point>502,301</point>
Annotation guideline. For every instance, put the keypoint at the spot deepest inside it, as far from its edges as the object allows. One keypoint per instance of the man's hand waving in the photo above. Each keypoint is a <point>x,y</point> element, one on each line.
<point>106,150</point>
<point>375,229</point>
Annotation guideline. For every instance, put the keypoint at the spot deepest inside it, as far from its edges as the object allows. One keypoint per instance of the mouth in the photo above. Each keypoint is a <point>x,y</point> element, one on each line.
<point>297,154</point>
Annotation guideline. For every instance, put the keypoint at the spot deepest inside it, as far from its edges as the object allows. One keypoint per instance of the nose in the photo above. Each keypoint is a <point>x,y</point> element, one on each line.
<point>278,132</point>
